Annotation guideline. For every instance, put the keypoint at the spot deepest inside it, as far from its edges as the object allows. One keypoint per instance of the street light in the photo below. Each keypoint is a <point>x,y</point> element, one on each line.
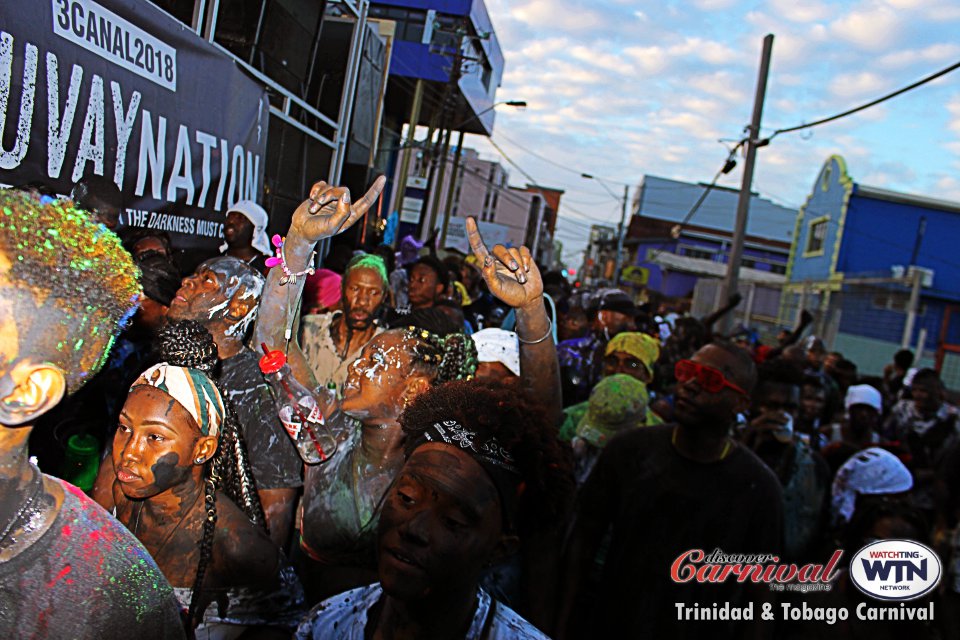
<point>623,221</point>
<point>522,104</point>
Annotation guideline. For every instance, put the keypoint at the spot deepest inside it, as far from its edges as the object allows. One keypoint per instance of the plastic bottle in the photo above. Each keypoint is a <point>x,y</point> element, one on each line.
<point>298,410</point>
<point>81,461</point>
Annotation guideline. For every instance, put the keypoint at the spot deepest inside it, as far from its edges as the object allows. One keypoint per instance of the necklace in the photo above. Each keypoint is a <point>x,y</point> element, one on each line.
<point>727,446</point>
<point>38,489</point>
<point>136,525</point>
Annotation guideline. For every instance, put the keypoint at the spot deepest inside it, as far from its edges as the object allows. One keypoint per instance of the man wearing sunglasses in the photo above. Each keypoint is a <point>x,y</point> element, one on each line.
<point>664,490</point>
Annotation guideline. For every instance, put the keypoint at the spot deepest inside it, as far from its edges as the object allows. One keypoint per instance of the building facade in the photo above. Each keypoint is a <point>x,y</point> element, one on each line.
<point>875,266</point>
<point>512,216</point>
<point>671,250</point>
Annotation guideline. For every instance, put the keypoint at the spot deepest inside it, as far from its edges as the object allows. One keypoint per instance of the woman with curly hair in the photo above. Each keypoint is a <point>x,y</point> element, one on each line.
<point>483,471</point>
<point>183,486</point>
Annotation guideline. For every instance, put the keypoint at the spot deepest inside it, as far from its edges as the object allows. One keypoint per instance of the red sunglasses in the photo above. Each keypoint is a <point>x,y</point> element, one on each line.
<point>709,379</point>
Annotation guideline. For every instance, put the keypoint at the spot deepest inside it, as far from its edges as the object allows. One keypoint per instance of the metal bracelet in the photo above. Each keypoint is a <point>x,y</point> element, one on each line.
<point>539,340</point>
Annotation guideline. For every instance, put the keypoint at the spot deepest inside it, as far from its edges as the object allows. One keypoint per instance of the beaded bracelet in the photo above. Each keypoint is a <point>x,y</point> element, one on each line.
<point>538,340</point>
<point>281,260</point>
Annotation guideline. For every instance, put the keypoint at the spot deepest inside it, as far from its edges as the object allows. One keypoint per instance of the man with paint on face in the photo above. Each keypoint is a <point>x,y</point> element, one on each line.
<point>331,341</point>
<point>463,500</point>
<point>224,296</point>
<point>245,234</point>
<point>67,568</point>
<point>664,490</point>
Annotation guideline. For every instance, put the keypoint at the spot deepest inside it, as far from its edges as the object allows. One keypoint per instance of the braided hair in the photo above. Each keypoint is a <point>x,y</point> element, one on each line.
<point>451,357</point>
<point>189,344</point>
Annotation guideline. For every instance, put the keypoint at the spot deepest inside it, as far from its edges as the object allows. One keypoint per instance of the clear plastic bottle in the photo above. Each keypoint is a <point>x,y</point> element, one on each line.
<point>298,410</point>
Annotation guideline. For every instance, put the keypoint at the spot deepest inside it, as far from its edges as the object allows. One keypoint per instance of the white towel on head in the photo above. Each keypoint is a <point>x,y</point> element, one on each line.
<point>497,345</point>
<point>873,471</point>
<point>257,215</point>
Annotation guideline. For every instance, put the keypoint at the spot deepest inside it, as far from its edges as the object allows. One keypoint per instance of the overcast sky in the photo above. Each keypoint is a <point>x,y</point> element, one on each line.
<point>621,88</point>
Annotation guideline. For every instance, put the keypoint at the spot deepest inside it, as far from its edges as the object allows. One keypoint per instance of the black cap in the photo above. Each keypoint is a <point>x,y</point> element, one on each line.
<point>616,300</point>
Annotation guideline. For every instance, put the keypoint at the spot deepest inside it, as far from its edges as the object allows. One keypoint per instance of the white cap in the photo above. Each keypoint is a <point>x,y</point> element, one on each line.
<point>258,217</point>
<point>863,394</point>
<point>497,345</point>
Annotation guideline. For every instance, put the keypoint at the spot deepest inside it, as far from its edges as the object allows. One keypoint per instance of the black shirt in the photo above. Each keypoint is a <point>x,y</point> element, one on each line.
<point>661,505</point>
<point>273,456</point>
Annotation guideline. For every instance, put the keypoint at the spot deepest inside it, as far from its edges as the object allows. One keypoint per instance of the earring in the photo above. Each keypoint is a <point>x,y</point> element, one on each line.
<point>199,461</point>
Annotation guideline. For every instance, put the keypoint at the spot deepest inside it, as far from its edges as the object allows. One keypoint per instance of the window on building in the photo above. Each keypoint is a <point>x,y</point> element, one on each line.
<point>703,254</point>
<point>817,235</point>
<point>778,268</point>
<point>409,21</point>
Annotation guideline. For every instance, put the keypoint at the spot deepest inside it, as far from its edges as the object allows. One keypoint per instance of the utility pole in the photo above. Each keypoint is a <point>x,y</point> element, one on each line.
<point>621,232</point>
<point>443,138</point>
<point>451,192</point>
<point>743,203</point>
<point>912,308</point>
<point>405,158</point>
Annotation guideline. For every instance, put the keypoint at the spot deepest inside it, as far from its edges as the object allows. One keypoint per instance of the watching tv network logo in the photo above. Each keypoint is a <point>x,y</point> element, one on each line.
<point>895,570</point>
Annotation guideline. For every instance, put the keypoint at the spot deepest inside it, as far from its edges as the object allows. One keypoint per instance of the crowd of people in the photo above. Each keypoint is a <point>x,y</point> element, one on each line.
<point>505,456</point>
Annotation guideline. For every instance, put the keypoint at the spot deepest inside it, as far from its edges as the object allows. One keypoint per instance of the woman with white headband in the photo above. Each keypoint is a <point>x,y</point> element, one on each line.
<point>183,486</point>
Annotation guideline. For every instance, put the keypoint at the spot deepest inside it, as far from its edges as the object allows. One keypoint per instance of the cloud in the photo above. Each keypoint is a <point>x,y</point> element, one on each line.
<point>542,49</point>
<point>935,53</point>
<point>618,89</point>
<point>800,11</point>
<point>875,29</point>
<point>848,85</point>
<point>948,187</point>
<point>722,85</point>
<point>706,50</point>
<point>714,5</point>
<point>608,61</point>
<point>552,14</point>
<point>648,59</point>
<point>953,109</point>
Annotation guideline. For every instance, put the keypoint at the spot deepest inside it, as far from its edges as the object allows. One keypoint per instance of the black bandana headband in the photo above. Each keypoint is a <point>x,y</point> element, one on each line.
<point>490,454</point>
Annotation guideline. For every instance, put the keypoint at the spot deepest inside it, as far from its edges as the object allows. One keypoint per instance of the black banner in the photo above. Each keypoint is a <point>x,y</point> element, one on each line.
<point>119,88</point>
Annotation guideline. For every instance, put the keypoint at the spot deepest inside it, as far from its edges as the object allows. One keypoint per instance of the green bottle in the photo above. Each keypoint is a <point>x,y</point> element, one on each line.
<point>81,461</point>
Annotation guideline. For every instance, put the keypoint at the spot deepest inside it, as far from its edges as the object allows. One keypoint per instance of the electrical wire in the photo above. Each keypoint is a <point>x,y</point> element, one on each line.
<point>512,163</point>
<point>557,164</point>
<point>726,168</point>
<point>872,103</point>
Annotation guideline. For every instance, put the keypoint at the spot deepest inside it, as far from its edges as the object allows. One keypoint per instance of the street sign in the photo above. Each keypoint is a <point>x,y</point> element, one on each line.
<point>636,275</point>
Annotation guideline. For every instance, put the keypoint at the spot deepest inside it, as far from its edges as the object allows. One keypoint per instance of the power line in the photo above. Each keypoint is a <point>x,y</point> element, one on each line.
<point>512,163</point>
<point>726,168</point>
<point>872,103</point>
<point>557,164</point>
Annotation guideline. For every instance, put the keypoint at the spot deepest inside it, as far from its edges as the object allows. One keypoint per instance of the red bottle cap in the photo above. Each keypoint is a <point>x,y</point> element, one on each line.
<point>272,362</point>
